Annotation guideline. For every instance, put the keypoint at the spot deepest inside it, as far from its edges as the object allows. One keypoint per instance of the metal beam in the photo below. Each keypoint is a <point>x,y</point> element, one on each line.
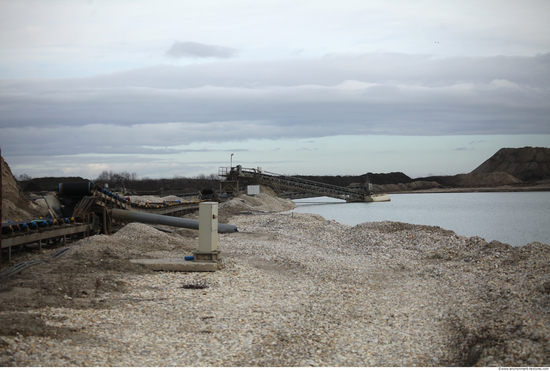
<point>296,184</point>
<point>44,235</point>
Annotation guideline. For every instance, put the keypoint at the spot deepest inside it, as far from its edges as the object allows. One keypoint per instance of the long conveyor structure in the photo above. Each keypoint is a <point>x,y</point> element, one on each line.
<point>354,193</point>
<point>83,209</point>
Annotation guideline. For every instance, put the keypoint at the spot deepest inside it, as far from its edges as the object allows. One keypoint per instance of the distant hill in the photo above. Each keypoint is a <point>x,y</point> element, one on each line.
<point>527,164</point>
<point>515,167</point>
<point>508,167</point>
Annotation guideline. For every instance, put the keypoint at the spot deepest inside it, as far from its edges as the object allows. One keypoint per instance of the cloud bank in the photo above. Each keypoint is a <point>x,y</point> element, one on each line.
<point>196,50</point>
<point>371,94</point>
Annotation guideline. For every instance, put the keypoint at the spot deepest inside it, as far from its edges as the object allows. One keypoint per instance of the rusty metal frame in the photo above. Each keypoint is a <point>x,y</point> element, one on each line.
<point>45,234</point>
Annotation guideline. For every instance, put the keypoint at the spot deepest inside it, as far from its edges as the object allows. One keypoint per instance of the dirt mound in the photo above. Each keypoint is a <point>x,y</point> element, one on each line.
<point>496,179</point>
<point>388,178</point>
<point>10,189</point>
<point>15,205</point>
<point>527,164</point>
<point>404,187</point>
<point>10,212</point>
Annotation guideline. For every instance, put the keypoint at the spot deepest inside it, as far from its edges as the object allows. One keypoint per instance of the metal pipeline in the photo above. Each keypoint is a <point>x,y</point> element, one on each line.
<point>75,189</point>
<point>133,216</point>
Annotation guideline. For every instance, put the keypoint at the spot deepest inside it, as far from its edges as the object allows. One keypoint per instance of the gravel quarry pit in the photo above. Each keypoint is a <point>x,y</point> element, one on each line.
<point>295,290</point>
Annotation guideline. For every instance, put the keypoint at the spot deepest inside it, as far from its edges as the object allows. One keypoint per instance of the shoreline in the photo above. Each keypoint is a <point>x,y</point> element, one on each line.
<point>477,190</point>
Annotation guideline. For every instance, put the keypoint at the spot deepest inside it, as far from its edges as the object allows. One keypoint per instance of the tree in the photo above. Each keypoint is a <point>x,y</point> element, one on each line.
<point>103,177</point>
<point>23,177</point>
<point>112,177</point>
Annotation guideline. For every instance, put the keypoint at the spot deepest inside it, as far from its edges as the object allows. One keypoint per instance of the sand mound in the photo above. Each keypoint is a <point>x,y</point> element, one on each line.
<point>10,212</point>
<point>15,205</point>
<point>10,189</point>
<point>135,240</point>
<point>262,203</point>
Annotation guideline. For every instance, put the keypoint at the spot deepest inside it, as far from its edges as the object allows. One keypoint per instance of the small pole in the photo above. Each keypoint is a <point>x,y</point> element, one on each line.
<point>231,163</point>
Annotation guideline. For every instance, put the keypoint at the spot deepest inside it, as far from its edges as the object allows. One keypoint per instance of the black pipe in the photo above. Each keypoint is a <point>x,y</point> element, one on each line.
<point>133,216</point>
<point>75,189</point>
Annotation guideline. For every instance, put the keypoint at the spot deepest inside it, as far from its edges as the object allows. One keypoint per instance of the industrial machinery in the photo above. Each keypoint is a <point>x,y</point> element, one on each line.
<point>354,193</point>
<point>83,209</point>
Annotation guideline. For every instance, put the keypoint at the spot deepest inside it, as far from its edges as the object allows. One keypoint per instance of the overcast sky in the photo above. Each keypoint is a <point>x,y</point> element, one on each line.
<point>165,88</point>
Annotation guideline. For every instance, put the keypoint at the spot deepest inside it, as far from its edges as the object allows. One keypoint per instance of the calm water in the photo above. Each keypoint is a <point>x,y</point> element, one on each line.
<point>516,218</point>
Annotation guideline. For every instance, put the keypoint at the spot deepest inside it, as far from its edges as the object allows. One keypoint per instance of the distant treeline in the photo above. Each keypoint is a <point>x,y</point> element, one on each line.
<point>127,180</point>
<point>180,184</point>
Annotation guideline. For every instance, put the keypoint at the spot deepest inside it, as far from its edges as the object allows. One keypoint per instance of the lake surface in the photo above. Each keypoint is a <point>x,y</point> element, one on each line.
<point>516,218</point>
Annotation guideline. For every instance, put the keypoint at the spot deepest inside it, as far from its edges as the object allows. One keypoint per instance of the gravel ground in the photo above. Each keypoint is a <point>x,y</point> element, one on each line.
<point>298,290</point>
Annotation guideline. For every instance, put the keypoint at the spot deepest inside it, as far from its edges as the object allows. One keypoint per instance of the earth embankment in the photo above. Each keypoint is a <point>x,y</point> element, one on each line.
<point>15,204</point>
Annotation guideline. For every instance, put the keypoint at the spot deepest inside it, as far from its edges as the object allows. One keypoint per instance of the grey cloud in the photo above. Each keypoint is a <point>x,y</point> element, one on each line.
<point>166,106</point>
<point>197,50</point>
<point>105,139</point>
<point>91,166</point>
<point>330,70</point>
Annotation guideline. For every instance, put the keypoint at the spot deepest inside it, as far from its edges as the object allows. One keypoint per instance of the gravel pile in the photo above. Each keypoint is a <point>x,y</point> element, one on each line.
<point>298,290</point>
<point>155,199</point>
<point>261,203</point>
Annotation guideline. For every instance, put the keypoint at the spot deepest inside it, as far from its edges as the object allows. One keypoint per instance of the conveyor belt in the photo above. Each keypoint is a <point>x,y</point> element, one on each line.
<point>296,184</point>
<point>91,210</point>
<point>23,232</point>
